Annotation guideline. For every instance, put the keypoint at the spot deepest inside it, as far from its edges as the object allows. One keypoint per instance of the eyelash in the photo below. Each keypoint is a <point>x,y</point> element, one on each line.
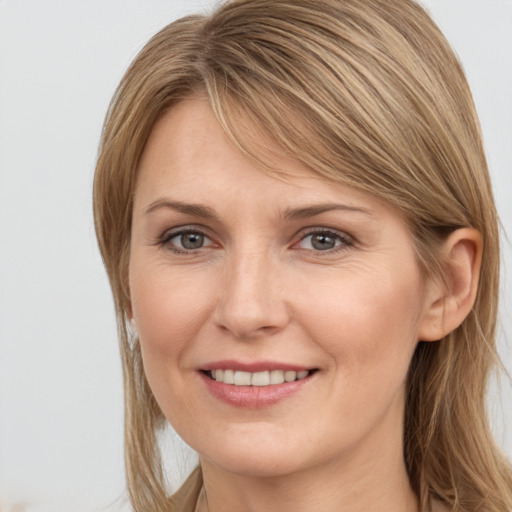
<point>345,241</point>
<point>165,240</point>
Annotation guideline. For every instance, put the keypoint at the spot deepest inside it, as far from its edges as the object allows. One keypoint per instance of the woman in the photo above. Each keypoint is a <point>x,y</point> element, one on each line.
<point>293,206</point>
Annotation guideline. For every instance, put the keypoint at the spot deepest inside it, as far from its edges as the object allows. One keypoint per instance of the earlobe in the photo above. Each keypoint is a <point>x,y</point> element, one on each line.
<point>451,297</point>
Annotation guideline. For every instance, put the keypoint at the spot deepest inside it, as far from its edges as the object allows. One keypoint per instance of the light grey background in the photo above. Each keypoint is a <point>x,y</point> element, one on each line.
<point>60,381</point>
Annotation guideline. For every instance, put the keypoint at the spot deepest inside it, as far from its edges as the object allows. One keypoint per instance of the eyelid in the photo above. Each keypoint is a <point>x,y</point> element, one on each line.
<point>180,230</point>
<point>347,240</point>
<point>171,233</point>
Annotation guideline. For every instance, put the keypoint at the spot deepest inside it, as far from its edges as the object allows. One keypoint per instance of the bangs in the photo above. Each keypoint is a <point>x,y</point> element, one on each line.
<point>331,95</point>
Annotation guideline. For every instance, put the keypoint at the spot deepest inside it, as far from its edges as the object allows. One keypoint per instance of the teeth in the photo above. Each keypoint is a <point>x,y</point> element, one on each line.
<point>242,379</point>
<point>229,377</point>
<point>276,377</point>
<point>266,378</point>
<point>260,379</point>
<point>290,376</point>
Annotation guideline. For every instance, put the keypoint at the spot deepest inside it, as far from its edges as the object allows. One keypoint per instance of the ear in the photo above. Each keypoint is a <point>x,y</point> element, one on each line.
<point>449,299</point>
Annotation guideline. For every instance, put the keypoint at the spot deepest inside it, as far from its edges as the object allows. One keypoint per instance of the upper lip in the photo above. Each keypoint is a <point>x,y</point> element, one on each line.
<point>255,366</point>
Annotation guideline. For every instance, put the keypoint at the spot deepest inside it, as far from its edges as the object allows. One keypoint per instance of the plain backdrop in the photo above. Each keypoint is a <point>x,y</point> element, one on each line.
<point>60,380</point>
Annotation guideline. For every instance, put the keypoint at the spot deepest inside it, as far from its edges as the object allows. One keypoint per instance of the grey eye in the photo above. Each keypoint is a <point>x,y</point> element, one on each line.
<point>186,240</point>
<point>190,241</point>
<point>323,241</point>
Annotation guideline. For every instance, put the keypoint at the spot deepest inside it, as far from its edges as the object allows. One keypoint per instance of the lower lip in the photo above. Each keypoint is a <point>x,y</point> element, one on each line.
<point>253,397</point>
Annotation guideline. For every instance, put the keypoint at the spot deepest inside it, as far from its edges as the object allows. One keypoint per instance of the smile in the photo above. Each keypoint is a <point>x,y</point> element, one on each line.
<point>263,378</point>
<point>255,385</point>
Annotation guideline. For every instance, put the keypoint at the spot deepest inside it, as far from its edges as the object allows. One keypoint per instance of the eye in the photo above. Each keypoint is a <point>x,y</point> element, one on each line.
<point>324,240</point>
<point>186,240</point>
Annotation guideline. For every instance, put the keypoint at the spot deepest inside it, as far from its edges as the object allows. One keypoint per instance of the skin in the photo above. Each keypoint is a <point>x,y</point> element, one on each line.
<point>259,289</point>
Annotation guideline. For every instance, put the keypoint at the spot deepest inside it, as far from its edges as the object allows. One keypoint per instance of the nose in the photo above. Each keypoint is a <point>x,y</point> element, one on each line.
<point>251,301</point>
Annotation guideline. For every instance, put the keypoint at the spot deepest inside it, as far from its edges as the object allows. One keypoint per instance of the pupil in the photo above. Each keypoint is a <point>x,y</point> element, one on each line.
<point>192,240</point>
<point>323,242</point>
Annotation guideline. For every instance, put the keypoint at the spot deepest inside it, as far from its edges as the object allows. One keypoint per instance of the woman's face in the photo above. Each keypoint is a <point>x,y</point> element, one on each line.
<point>304,292</point>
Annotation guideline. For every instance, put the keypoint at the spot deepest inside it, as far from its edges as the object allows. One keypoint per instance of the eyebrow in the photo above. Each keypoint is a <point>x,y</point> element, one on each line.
<point>317,209</point>
<point>206,212</point>
<point>195,210</point>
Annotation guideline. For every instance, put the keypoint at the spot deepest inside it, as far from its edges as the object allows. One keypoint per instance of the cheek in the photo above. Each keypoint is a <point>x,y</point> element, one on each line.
<point>163,308</point>
<point>169,313</point>
<point>368,321</point>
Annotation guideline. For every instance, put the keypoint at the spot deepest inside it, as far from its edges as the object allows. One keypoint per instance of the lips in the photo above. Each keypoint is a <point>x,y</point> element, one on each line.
<point>256,384</point>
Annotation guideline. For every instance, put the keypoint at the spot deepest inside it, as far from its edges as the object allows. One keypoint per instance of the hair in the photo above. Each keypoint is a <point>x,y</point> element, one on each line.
<point>367,93</point>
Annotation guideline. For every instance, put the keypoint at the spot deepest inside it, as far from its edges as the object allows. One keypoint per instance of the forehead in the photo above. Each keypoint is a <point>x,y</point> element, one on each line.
<point>188,154</point>
<point>189,136</point>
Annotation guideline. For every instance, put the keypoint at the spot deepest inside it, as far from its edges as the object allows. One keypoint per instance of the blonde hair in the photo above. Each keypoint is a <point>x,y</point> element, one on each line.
<point>364,92</point>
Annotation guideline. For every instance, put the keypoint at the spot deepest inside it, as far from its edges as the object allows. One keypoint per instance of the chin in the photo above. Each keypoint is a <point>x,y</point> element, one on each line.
<point>257,464</point>
<point>261,456</point>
